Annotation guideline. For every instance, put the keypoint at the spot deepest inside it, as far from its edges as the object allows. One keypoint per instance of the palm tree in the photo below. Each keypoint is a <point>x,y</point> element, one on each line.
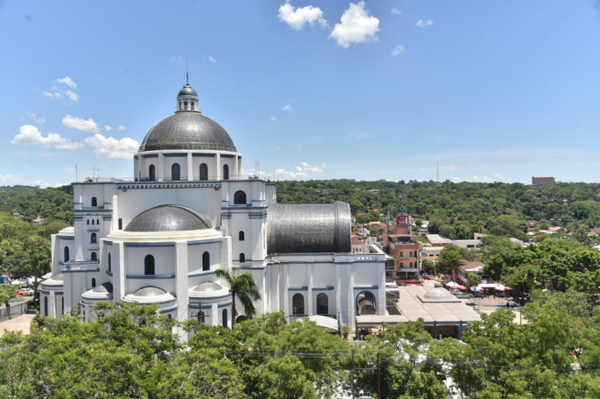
<point>244,288</point>
<point>41,259</point>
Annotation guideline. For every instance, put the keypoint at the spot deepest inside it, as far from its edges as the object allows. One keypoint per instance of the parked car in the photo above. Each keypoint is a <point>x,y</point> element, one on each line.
<point>28,291</point>
<point>19,292</point>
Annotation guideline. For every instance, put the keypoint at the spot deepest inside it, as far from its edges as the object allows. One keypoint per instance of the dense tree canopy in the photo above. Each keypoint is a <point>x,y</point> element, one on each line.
<point>457,210</point>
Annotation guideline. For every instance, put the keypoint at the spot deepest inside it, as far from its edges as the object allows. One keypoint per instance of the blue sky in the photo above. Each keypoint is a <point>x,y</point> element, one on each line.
<point>492,91</point>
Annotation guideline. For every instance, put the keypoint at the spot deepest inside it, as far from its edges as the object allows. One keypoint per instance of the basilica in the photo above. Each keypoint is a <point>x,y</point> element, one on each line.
<point>158,238</point>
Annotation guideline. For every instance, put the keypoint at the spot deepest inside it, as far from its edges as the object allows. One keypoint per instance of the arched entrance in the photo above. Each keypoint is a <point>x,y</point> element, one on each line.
<point>365,303</point>
<point>241,318</point>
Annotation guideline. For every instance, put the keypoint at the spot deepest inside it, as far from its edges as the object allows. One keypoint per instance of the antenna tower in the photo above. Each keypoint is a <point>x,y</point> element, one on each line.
<point>187,76</point>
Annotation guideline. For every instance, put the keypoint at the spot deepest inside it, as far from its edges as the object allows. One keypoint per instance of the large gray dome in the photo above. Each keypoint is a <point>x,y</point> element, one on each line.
<point>187,131</point>
<point>169,218</point>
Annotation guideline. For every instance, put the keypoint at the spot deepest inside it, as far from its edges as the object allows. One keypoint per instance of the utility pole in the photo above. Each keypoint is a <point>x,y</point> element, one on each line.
<point>378,375</point>
<point>352,377</point>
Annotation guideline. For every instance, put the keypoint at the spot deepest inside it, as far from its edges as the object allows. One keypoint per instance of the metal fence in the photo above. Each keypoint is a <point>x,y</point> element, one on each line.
<point>15,309</point>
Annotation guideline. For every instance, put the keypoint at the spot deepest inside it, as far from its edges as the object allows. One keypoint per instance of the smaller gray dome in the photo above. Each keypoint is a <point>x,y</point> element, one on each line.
<point>168,218</point>
<point>106,288</point>
<point>187,91</point>
<point>438,294</point>
<point>149,292</point>
<point>208,286</point>
<point>58,277</point>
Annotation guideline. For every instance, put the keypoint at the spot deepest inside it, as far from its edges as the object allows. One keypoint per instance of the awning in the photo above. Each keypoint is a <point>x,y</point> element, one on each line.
<point>377,321</point>
<point>452,284</point>
<point>325,322</point>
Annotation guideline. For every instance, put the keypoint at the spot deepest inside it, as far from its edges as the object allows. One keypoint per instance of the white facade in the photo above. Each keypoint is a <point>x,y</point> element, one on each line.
<point>100,258</point>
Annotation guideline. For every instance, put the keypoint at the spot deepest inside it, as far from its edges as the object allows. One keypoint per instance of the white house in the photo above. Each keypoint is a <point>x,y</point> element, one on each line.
<point>159,238</point>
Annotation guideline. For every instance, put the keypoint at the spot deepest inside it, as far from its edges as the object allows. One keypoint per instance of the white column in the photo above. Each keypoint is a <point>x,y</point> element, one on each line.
<point>309,300</point>
<point>219,171</point>
<point>160,161</point>
<point>214,320</point>
<point>181,280</point>
<point>237,171</point>
<point>190,167</point>
<point>118,270</point>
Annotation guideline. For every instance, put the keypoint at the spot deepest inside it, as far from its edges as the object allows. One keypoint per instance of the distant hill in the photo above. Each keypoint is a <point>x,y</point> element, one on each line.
<point>28,202</point>
<point>464,208</point>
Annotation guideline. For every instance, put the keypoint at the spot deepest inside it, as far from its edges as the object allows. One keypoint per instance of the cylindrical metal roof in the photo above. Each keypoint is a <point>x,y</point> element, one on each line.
<point>299,228</point>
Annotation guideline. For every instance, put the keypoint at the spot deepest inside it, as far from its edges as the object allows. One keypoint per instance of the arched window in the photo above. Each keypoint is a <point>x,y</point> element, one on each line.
<point>109,262</point>
<point>322,304</point>
<point>239,198</point>
<point>97,221</point>
<point>225,172</point>
<point>46,306</point>
<point>192,108</point>
<point>298,305</point>
<point>185,105</point>
<point>93,283</point>
<point>151,173</point>
<point>94,201</point>
<point>205,261</point>
<point>203,172</point>
<point>200,316</point>
<point>175,172</point>
<point>92,221</point>
<point>66,254</point>
<point>94,256</point>
<point>225,318</point>
<point>149,265</point>
<point>180,105</point>
<point>63,304</point>
<point>120,224</point>
<point>241,236</point>
<point>93,238</point>
<point>88,221</point>
<point>242,258</point>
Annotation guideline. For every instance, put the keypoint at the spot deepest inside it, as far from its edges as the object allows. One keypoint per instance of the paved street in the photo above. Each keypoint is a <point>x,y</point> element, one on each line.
<point>20,323</point>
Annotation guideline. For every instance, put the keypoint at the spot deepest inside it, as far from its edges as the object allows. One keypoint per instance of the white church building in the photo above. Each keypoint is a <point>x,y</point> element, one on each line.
<point>159,238</point>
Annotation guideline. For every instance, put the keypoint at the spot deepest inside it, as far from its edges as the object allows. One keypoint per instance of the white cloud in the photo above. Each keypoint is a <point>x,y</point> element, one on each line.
<point>121,128</point>
<point>303,171</point>
<point>8,179</point>
<point>301,16</point>
<point>395,11</point>
<point>287,108</point>
<point>499,176</point>
<point>109,147</point>
<point>87,125</point>
<point>37,118</point>
<point>108,127</point>
<point>52,94</point>
<point>41,183</point>
<point>68,81</point>
<point>273,118</point>
<point>424,24</point>
<point>55,94</point>
<point>72,96</point>
<point>30,135</point>
<point>357,26</point>
<point>212,59</point>
<point>398,50</point>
